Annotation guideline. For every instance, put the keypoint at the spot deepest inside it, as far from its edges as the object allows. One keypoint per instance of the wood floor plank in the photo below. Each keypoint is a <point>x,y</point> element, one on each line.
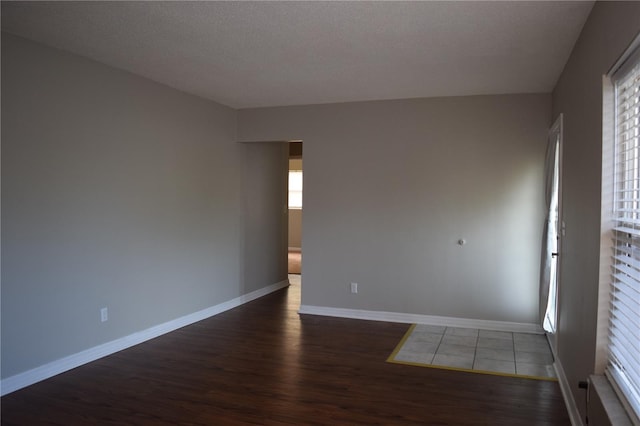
<point>263,364</point>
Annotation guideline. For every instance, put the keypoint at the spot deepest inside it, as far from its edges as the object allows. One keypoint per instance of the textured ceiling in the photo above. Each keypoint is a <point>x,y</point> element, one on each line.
<point>251,54</point>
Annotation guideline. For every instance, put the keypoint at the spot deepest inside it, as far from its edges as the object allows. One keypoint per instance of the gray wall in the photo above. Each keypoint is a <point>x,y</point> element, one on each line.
<point>578,94</point>
<point>391,186</point>
<point>295,228</point>
<point>265,197</point>
<point>116,192</point>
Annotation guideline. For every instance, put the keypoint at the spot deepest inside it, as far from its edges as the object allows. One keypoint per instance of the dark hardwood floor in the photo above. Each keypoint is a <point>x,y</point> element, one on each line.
<point>263,364</point>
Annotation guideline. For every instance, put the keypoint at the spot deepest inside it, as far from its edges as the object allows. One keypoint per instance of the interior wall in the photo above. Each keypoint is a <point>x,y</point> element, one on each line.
<point>265,198</point>
<point>390,188</point>
<point>117,192</point>
<point>578,95</point>
<point>295,228</point>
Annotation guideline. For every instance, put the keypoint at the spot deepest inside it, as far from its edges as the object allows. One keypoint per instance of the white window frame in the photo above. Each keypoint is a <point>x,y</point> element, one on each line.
<point>620,255</point>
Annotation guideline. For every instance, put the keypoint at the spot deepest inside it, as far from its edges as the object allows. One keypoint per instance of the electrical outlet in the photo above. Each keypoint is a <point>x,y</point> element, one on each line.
<point>354,288</point>
<point>104,314</point>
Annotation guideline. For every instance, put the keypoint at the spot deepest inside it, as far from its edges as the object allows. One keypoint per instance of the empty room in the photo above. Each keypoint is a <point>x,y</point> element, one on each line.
<point>471,213</point>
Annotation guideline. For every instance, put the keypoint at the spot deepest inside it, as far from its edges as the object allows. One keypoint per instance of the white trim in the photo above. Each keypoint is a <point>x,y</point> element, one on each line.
<point>517,327</point>
<point>607,223</point>
<point>565,388</point>
<point>21,380</point>
<point>625,62</point>
<point>613,405</point>
<point>615,383</point>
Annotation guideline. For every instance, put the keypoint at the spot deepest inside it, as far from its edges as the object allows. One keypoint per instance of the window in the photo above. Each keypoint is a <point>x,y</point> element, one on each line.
<point>623,365</point>
<point>295,189</point>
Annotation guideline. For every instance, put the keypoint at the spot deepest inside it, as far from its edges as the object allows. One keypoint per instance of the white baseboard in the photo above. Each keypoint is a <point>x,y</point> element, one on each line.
<point>21,380</point>
<point>565,388</point>
<point>516,327</point>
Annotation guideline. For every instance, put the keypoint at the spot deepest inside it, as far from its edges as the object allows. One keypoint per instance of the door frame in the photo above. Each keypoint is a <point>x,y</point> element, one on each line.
<point>556,130</point>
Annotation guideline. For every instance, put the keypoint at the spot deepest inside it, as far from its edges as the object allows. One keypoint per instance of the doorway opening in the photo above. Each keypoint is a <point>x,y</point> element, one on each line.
<point>554,227</point>
<point>295,187</point>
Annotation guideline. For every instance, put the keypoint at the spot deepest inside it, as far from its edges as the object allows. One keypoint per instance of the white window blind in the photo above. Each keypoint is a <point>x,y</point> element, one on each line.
<point>624,314</point>
<point>295,189</point>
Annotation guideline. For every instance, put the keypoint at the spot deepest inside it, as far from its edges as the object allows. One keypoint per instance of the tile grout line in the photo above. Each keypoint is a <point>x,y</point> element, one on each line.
<point>475,350</point>
<point>515,363</point>
<point>438,347</point>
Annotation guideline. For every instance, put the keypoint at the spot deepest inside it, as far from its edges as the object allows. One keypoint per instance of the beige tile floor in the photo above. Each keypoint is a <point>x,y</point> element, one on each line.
<point>481,350</point>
